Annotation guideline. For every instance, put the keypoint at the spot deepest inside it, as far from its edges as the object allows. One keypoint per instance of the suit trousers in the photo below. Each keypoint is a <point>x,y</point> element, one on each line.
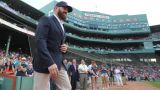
<point>63,82</point>
<point>42,81</point>
<point>73,82</point>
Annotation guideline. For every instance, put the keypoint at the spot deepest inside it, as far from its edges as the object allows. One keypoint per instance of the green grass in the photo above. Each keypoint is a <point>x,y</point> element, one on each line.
<point>155,84</point>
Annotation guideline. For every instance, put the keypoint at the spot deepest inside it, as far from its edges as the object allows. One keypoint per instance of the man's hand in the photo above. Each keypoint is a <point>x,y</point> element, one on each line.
<point>64,48</point>
<point>53,70</point>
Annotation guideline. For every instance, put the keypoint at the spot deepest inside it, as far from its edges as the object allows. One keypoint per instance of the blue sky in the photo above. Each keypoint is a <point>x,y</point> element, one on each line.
<point>112,7</point>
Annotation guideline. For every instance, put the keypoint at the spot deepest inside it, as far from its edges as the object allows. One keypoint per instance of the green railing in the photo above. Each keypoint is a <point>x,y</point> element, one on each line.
<point>113,52</point>
<point>27,18</point>
<point>105,40</point>
<point>8,82</point>
<point>109,32</point>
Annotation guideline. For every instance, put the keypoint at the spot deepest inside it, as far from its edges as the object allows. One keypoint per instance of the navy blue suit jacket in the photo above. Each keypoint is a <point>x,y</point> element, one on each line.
<point>49,37</point>
<point>73,73</point>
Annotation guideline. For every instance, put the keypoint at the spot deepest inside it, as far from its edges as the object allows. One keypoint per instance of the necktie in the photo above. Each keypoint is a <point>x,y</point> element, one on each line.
<point>75,67</point>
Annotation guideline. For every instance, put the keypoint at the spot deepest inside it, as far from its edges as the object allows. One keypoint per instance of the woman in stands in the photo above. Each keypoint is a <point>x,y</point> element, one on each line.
<point>9,68</point>
<point>105,77</point>
<point>2,66</point>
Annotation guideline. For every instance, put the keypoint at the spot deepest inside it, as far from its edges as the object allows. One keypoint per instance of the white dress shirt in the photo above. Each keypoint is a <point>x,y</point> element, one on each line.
<point>60,21</point>
<point>82,68</point>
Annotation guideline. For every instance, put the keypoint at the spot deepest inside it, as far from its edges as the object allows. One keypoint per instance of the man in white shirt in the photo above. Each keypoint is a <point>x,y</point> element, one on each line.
<point>83,71</point>
<point>118,76</point>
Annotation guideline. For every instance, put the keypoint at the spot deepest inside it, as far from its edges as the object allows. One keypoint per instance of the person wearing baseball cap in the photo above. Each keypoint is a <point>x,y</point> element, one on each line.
<point>50,45</point>
<point>64,4</point>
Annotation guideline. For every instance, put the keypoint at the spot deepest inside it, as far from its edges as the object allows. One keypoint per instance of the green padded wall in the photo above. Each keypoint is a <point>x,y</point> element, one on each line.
<point>7,84</point>
<point>27,83</point>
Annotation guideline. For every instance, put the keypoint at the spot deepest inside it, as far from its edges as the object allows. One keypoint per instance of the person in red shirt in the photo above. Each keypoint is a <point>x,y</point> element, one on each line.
<point>9,68</point>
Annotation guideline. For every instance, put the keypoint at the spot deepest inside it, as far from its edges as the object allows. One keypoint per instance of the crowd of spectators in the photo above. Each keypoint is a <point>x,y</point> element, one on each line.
<point>15,64</point>
<point>153,36</point>
<point>19,64</point>
<point>140,71</point>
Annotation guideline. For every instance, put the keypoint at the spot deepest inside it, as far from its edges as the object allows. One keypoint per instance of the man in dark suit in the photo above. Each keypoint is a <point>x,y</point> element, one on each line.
<point>48,61</point>
<point>73,73</point>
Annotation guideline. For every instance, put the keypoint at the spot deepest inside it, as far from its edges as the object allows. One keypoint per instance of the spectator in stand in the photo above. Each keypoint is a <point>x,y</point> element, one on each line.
<point>24,62</point>
<point>20,70</point>
<point>16,61</point>
<point>30,70</point>
<point>9,68</point>
<point>2,66</point>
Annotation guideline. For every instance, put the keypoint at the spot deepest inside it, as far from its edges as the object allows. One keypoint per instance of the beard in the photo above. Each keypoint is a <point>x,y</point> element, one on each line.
<point>61,15</point>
